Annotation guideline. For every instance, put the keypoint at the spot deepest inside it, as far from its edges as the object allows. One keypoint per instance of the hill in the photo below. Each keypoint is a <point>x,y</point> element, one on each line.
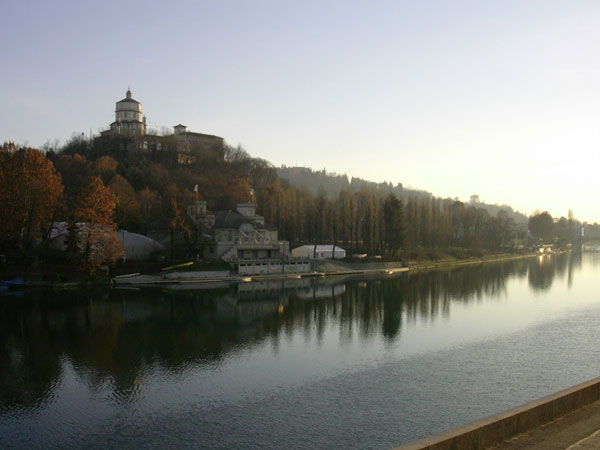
<point>333,184</point>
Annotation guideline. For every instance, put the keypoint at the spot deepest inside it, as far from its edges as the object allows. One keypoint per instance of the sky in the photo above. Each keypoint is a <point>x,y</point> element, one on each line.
<point>495,98</point>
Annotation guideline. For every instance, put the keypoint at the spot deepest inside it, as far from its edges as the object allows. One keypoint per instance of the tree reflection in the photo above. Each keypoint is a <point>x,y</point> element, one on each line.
<point>120,336</point>
<point>542,271</point>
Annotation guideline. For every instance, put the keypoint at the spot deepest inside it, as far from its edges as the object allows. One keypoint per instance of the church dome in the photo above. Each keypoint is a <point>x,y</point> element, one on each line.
<point>128,117</point>
<point>129,109</point>
<point>128,98</point>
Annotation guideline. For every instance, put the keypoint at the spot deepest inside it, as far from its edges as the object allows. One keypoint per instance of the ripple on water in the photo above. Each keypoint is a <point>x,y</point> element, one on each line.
<point>187,391</point>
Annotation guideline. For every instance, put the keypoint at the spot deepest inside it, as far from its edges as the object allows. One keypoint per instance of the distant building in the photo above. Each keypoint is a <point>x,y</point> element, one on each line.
<point>243,240</point>
<point>187,141</point>
<point>129,122</point>
<point>321,252</point>
<point>138,247</point>
<point>199,214</point>
<point>128,118</point>
<point>135,246</point>
<point>242,234</point>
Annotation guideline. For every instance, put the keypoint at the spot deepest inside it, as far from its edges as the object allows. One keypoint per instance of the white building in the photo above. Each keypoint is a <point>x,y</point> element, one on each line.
<point>234,235</point>
<point>321,252</point>
<point>243,240</point>
<point>137,246</point>
<point>128,118</point>
<point>242,234</point>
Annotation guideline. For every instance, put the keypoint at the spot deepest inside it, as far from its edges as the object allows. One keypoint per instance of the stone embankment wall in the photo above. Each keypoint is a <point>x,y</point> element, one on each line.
<point>487,432</point>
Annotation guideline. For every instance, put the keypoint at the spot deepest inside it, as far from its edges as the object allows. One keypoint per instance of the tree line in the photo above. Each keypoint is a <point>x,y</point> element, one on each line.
<point>110,184</point>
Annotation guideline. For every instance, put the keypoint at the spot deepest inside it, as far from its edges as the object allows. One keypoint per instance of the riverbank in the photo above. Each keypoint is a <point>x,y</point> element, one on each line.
<point>472,261</point>
<point>322,268</point>
<point>192,274</point>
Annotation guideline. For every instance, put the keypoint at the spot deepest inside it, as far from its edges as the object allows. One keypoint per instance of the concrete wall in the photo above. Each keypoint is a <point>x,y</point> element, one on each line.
<point>494,429</point>
<point>266,266</point>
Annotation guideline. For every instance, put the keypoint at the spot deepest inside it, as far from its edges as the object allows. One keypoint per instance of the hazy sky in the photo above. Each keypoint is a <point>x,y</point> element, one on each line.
<point>495,98</point>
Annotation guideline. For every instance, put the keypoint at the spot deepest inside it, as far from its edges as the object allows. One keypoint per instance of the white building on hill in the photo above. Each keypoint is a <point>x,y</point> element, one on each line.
<point>128,118</point>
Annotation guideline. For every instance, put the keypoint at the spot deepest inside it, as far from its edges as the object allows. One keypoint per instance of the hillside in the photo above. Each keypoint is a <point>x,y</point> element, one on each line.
<point>333,184</point>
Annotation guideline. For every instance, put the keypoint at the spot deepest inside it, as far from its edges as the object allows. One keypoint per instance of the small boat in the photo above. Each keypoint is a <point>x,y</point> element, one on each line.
<point>128,275</point>
<point>177,266</point>
<point>7,284</point>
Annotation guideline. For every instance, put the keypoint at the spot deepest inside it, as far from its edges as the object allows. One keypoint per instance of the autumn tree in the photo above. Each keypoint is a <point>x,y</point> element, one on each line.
<point>105,167</point>
<point>94,212</point>
<point>127,212</point>
<point>30,192</point>
<point>236,191</point>
<point>76,172</point>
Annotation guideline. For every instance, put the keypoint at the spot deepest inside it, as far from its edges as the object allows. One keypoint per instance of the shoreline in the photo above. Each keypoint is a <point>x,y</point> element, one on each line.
<point>329,268</point>
<point>441,264</point>
<point>343,269</point>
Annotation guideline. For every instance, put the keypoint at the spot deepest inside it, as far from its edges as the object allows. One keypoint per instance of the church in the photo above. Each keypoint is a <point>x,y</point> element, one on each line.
<point>128,118</point>
<point>129,122</point>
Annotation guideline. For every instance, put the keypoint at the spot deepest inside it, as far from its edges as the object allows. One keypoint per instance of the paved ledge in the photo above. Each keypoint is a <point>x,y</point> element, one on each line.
<point>577,430</point>
<point>499,428</point>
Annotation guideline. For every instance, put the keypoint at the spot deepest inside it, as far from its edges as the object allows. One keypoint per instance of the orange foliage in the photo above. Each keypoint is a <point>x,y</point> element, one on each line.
<point>237,190</point>
<point>95,208</point>
<point>30,192</point>
<point>105,167</point>
<point>127,213</point>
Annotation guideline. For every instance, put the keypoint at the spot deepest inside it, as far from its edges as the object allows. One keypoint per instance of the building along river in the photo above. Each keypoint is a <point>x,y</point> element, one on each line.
<point>308,364</point>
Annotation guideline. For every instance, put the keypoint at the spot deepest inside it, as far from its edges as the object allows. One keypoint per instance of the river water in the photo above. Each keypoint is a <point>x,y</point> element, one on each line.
<point>308,364</point>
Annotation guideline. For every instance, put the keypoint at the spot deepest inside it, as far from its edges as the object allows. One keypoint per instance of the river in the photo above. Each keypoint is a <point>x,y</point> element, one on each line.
<point>307,364</point>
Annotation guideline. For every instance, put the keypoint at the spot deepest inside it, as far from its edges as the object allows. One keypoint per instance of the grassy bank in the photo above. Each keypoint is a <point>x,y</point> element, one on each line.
<point>472,260</point>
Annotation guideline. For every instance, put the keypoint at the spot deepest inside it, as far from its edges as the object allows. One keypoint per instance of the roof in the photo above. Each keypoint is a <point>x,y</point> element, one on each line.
<point>127,121</point>
<point>193,133</point>
<point>230,219</point>
<point>128,100</point>
<point>320,247</point>
<point>233,219</point>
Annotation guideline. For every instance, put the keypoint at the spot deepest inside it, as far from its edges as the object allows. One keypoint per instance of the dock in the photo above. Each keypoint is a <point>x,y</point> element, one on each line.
<point>184,277</point>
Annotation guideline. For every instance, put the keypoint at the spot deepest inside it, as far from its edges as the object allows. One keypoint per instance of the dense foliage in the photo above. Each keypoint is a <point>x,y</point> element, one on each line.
<point>30,194</point>
<point>112,183</point>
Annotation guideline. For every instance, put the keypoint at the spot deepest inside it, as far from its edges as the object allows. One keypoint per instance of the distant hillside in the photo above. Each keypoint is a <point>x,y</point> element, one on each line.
<point>517,216</point>
<point>333,183</point>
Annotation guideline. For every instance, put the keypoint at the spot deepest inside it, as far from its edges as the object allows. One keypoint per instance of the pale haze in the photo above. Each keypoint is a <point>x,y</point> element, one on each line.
<point>495,98</point>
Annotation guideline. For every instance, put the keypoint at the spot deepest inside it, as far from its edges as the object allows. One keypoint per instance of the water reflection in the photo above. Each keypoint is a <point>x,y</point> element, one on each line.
<point>113,338</point>
<point>542,272</point>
